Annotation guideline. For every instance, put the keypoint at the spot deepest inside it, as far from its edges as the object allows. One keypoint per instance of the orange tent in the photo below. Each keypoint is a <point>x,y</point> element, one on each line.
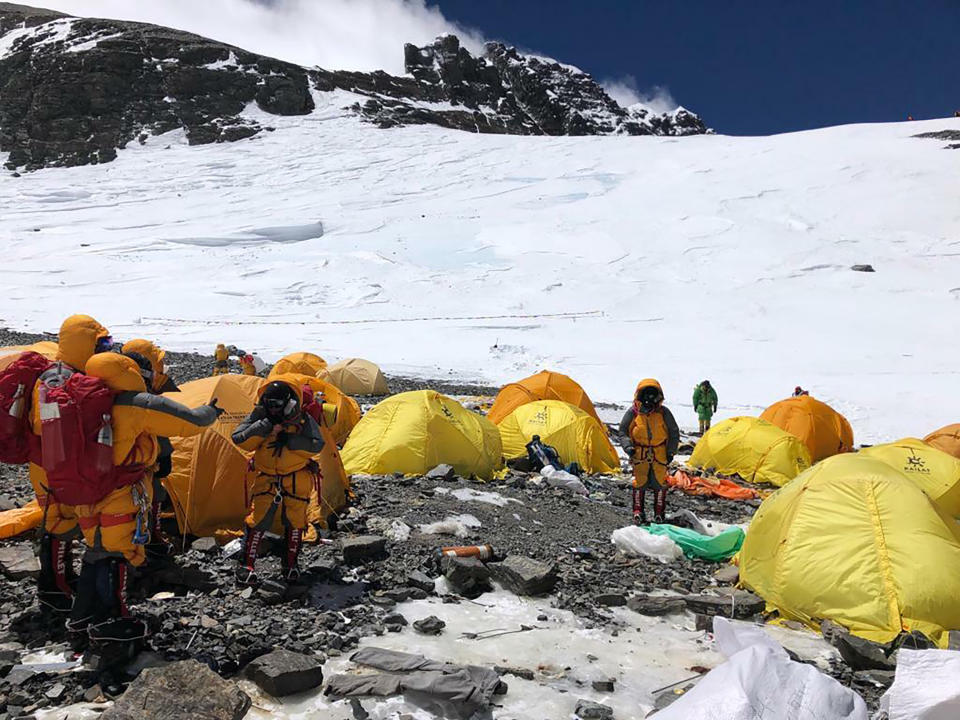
<point>305,363</point>
<point>946,439</point>
<point>10,353</point>
<point>822,429</point>
<point>545,385</point>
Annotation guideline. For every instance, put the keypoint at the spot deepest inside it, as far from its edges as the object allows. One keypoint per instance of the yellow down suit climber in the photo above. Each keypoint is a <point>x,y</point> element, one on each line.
<point>150,358</point>
<point>221,360</point>
<point>284,440</point>
<point>80,338</point>
<point>650,438</point>
<point>116,528</point>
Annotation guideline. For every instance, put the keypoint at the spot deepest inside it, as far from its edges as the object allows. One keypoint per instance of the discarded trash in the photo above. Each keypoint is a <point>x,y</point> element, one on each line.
<point>694,544</point>
<point>563,479</point>
<point>233,547</point>
<point>164,595</point>
<point>926,686</point>
<point>636,541</point>
<point>459,525</point>
<point>484,552</point>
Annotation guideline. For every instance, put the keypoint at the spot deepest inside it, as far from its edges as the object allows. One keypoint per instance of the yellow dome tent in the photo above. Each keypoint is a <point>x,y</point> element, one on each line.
<point>853,541</point>
<point>946,439</point>
<point>10,353</point>
<point>413,432</point>
<point>348,411</point>
<point>356,377</point>
<point>545,385</point>
<point>576,436</point>
<point>936,472</point>
<point>305,363</point>
<point>822,429</point>
<point>754,449</point>
<point>208,483</point>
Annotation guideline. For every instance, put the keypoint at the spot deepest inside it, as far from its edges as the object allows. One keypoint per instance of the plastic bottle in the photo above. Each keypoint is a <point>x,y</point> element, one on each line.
<point>10,420</point>
<point>51,431</point>
<point>104,459</point>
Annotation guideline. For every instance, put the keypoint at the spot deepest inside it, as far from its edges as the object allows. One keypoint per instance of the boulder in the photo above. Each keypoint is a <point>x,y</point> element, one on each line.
<point>525,576</point>
<point>180,690</point>
<point>363,547</point>
<point>431,625</point>
<point>612,599</point>
<point>656,606</point>
<point>441,472</point>
<point>421,581</point>
<point>19,561</point>
<point>727,575</point>
<point>589,710</point>
<point>738,604</point>
<point>467,575</point>
<point>281,672</point>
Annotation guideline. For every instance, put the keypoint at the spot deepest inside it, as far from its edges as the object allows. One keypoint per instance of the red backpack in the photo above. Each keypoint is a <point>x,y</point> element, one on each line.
<point>76,441</point>
<point>18,444</point>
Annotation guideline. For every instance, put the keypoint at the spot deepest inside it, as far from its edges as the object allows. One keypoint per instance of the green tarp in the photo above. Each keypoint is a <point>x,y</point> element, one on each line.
<point>720,547</point>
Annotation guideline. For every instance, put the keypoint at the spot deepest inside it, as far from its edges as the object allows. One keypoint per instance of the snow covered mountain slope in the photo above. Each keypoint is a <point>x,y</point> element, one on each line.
<point>436,251</point>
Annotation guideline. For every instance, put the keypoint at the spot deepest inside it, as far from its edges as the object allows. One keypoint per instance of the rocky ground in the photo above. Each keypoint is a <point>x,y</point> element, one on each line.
<point>378,556</point>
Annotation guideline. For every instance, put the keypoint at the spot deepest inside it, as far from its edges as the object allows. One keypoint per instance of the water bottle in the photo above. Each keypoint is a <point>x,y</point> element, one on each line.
<point>103,462</point>
<point>10,420</point>
<point>52,447</point>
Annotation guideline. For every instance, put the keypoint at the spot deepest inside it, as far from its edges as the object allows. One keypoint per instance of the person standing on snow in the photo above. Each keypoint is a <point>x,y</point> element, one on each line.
<point>284,439</point>
<point>650,438</point>
<point>705,403</point>
<point>221,360</point>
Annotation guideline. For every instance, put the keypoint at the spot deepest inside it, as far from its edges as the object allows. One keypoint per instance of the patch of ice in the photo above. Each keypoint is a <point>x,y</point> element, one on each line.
<point>393,528</point>
<point>481,496</point>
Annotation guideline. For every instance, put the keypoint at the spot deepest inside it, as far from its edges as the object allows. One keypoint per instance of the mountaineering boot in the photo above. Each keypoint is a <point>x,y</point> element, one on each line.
<point>639,511</point>
<point>87,607</point>
<point>159,545</point>
<point>247,572</point>
<point>54,587</point>
<point>114,642</point>
<point>291,571</point>
<point>660,505</point>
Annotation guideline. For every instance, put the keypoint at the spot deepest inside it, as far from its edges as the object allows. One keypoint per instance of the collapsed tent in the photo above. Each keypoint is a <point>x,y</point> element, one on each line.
<point>208,485</point>
<point>946,439</point>
<point>17,521</point>
<point>822,429</point>
<point>753,449</point>
<point>853,541</point>
<point>413,432</point>
<point>348,410</point>
<point>304,363</point>
<point>545,385</point>
<point>936,472</point>
<point>355,376</point>
<point>11,352</point>
<point>575,435</point>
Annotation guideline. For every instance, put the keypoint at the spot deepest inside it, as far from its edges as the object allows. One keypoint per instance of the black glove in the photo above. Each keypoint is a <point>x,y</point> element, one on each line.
<point>279,442</point>
<point>164,466</point>
<point>219,410</point>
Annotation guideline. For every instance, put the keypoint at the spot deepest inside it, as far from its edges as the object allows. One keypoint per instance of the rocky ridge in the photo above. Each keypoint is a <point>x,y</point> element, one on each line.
<point>75,90</point>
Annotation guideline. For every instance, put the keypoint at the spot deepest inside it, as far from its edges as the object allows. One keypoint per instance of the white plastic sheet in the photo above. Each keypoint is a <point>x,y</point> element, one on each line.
<point>637,541</point>
<point>760,682</point>
<point>561,478</point>
<point>926,686</point>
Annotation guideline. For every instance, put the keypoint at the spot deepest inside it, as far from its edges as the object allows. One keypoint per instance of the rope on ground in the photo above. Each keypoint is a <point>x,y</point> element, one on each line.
<point>370,321</point>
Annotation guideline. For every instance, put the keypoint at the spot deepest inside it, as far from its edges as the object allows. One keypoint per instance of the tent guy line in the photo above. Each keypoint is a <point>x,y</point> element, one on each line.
<point>567,315</point>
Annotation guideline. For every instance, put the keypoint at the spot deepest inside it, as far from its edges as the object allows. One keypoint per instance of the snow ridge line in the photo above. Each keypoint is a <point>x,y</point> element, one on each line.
<point>566,315</point>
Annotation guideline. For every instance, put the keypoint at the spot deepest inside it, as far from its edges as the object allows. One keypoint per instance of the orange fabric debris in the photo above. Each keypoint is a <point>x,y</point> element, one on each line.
<point>720,487</point>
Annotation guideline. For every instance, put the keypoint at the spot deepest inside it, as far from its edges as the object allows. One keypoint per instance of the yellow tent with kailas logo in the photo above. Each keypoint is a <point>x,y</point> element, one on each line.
<point>573,433</point>
<point>934,471</point>
<point>753,449</point>
<point>854,541</point>
<point>413,432</point>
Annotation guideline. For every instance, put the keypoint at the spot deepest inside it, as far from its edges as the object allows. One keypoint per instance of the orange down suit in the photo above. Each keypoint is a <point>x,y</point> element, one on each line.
<point>652,438</point>
<point>138,418</point>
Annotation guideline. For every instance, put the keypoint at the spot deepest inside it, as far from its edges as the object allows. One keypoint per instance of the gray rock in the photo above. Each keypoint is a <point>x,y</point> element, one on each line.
<point>185,689</point>
<point>19,561</point>
<point>739,604</point>
<point>862,268</point>
<point>861,654</point>
<point>467,575</point>
<point>204,544</point>
<point>589,710</point>
<point>359,712</point>
<point>431,625</point>
<point>612,599</point>
<point>361,548</point>
<point>421,581</point>
<point>603,685</point>
<point>727,575</point>
<point>395,619</point>
<point>281,672</point>
<point>522,673</point>
<point>441,472</point>
<point>525,576</point>
<point>655,606</point>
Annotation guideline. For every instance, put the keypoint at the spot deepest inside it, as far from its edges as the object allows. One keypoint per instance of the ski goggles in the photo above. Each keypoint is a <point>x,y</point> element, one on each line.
<point>104,344</point>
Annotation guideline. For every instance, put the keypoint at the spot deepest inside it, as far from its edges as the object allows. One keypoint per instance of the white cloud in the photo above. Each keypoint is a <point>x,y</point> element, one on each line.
<point>334,34</point>
<point>626,92</point>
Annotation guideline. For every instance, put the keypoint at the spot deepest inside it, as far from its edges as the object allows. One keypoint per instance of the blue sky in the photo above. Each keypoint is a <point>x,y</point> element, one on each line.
<point>750,68</point>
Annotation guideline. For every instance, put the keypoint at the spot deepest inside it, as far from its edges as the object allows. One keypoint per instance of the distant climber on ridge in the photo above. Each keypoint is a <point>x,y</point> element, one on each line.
<point>705,403</point>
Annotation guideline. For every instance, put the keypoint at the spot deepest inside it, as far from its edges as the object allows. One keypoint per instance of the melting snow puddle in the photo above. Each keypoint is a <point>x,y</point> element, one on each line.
<point>471,495</point>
